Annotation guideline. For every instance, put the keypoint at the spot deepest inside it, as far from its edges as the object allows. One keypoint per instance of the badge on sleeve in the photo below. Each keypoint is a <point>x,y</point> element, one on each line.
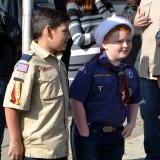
<point>16,93</point>
<point>129,72</point>
<point>83,69</point>
<point>22,67</point>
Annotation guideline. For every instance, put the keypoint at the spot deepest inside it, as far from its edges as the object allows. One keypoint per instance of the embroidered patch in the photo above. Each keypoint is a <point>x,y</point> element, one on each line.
<point>16,93</point>
<point>158,35</point>
<point>18,79</point>
<point>100,88</point>
<point>82,68</point>
<point>22,67</point>
<point>43,69</point>
<point>129,73</point>
<point>102,75</point>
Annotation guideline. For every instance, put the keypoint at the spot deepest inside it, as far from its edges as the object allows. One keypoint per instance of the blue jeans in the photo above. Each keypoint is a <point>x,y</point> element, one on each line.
<point>26,158</point>
<point>3,85</point>
<point>99,145</point>
<point>150,112</point>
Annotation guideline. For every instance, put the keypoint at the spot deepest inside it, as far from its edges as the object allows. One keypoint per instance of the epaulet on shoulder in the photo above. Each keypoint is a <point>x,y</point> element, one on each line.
<point>27,56</point>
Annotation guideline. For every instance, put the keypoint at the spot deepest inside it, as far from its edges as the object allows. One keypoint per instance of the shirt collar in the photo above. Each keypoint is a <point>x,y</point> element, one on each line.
<point>103,59</point>
<point>41,52</point>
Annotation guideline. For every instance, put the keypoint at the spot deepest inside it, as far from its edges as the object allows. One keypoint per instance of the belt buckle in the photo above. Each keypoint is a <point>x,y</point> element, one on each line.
<point>108,129</point>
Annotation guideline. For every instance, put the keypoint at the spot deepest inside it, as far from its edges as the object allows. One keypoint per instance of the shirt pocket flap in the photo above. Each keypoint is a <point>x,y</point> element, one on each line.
<point>50,85</point>
<point>103,80</point>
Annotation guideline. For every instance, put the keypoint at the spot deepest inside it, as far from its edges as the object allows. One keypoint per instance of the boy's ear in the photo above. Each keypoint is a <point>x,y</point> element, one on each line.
<point>48,31</point>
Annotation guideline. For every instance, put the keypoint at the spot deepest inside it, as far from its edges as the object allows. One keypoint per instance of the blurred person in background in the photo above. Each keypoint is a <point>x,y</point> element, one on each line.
<point>130,12</point>
<point>10,48</point>
<point>61,5</point>
<point>148,19</point>
<point>85,15</point>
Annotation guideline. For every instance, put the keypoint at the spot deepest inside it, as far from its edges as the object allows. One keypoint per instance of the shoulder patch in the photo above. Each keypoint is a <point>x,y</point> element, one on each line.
<point>22,67</point>
<point>82,68</point>
<point>26,57</point>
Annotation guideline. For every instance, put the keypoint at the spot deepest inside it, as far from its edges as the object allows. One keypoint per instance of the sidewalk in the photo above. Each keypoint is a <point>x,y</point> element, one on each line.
<point>133,147</point>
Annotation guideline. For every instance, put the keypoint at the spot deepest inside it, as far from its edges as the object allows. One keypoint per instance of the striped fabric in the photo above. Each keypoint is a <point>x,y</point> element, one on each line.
<point>82,27</point>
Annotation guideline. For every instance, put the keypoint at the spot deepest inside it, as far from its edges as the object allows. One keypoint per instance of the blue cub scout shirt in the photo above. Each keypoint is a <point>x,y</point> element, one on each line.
<point>97,88</point>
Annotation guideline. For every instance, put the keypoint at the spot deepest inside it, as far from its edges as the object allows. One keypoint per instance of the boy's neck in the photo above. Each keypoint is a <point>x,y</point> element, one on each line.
<point>44,45</point>
<point>115,63</point>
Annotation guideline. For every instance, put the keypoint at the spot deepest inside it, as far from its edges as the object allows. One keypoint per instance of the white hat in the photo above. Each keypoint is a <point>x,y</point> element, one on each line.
<point>111,22</point>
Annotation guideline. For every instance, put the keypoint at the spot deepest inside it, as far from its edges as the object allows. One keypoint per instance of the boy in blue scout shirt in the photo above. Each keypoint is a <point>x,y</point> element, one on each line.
<point>36,100</point>
<point>105,91</point>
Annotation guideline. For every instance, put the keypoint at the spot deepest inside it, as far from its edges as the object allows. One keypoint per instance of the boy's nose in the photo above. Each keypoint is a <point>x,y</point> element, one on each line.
<point>125,44</point>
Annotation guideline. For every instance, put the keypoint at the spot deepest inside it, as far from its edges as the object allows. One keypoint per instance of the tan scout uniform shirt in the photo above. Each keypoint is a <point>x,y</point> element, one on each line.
<point>42,94</point>
<point>150,54</point>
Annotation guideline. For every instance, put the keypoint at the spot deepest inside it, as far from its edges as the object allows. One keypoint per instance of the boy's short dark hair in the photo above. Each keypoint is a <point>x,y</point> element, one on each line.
<point>47,16</point>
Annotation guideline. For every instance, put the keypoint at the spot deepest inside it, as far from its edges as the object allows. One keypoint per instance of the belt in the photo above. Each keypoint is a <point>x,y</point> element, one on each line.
<point>104,128</point>
<point>109,129</point>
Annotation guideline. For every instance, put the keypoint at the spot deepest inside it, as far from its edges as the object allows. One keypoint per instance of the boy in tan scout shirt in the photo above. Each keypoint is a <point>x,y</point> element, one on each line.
<point>36,99</point>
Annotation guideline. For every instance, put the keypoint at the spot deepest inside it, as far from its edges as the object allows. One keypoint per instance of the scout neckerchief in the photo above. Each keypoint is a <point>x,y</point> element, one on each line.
<point>123,82</point>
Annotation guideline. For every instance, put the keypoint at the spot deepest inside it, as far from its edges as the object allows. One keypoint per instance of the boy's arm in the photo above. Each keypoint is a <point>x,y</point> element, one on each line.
<point>79,115</point>
<point>131,119</point>
<point>16,148</point>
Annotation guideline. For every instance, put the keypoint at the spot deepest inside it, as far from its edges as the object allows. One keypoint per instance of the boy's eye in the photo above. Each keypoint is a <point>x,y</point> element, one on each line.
<point>66,31</point>
<point>120,41</point>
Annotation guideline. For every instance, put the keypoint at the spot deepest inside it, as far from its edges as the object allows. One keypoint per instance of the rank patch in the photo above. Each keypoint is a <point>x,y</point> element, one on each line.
<point>16,93</point>
<point>22,67</point>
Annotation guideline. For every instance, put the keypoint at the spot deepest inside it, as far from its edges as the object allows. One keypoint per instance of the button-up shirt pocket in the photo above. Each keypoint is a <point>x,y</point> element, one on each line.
<point>50,84</point>
<point>104,82</point>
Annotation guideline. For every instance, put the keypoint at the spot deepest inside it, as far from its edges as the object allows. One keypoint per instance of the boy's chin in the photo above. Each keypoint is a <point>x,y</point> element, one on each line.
<point>63,49</point>
<point>124,56</point>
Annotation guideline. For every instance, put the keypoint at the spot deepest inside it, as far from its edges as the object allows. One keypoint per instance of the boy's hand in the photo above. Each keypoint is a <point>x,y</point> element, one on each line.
<point>15,151</point>
<point>127,130</point>
<point>84,133</point>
